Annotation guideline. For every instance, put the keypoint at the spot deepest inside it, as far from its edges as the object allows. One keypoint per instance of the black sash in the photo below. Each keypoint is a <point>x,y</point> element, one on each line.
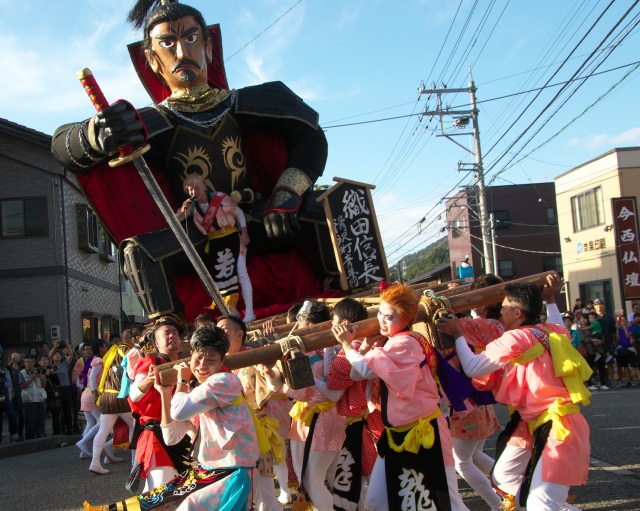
<point>414,481</point>
<point>348,479</point>
<point>505,435</point>
<point>540,437</point>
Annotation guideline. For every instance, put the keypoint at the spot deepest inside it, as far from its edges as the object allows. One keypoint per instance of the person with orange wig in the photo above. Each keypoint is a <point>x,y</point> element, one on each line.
<point>414,468</point>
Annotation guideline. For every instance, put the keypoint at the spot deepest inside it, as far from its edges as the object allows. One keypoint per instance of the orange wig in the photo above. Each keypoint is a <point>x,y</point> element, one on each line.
<point>404,300</point>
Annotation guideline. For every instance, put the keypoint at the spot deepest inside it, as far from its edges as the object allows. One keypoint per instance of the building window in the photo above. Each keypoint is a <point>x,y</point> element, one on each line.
<point>24,217</point>
<point>505,268</point>
<point>587,210</point>
<point>106,248</point>
<point>86,328</point>
<point>553,263</point>
<point>502,220</point>
<point>457,226</point>
<point>552,219</point>
<point>100,327</point>
<point>88,235</point>
<point>22,330</point>
<point>598,289</point>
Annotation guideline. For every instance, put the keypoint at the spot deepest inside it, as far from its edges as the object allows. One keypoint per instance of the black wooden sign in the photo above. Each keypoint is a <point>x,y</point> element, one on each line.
<point>355,234</point>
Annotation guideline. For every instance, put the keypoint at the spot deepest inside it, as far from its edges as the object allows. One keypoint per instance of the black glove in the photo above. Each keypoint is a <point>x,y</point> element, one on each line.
<point>117,126</point>
<point>281,226</point>
<point>281,213</point>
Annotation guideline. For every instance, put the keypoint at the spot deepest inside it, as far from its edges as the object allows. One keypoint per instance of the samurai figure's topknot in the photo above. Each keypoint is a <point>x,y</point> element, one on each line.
<point>148,13</point>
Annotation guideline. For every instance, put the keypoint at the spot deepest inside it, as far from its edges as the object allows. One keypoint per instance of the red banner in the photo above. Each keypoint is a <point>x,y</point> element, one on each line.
<point>625,215</point>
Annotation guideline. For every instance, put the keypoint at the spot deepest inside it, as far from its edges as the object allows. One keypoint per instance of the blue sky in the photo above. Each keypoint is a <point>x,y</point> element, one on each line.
<point>359,61</point>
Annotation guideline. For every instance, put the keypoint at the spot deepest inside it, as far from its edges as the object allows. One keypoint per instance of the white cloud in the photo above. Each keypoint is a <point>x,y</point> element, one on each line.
<point>626,138</point>
<point>264,57</point>
<point>348,16</point>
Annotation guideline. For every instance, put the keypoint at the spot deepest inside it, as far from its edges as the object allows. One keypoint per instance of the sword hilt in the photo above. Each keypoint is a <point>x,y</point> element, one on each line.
<point>99,101</point>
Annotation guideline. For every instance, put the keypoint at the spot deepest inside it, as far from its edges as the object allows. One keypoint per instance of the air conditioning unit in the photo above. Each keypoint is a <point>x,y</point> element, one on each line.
<point>55,332</point>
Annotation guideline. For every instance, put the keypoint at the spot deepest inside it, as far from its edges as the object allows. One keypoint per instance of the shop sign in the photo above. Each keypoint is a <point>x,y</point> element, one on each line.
<point>627,245</point>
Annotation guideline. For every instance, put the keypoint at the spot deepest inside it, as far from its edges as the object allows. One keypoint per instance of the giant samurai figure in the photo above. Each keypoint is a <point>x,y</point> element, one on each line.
<point>257,142</point>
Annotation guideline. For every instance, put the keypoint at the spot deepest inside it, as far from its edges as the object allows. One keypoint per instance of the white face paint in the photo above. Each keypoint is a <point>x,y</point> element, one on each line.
<point>389,321</point>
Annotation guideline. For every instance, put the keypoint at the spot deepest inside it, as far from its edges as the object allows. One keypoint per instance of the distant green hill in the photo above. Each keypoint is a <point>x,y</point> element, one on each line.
<point>423,260</point>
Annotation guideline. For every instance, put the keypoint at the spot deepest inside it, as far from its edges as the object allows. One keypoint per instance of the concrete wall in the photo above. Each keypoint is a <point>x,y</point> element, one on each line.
<point>48,276</point>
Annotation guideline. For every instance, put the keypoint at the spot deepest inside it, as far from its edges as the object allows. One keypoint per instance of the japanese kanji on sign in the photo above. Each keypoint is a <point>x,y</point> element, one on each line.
<point>627,245</point>
<point>355,234</point>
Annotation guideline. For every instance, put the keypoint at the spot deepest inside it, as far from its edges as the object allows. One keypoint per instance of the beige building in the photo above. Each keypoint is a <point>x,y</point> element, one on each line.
<point>586,222</point>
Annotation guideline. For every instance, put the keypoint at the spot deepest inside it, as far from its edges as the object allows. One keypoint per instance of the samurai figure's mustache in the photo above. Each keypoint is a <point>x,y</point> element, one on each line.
<point>185,62</point>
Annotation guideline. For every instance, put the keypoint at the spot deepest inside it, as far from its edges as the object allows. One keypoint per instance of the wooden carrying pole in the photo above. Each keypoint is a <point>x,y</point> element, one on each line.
<point>315,339</point>
<point>371,297</point>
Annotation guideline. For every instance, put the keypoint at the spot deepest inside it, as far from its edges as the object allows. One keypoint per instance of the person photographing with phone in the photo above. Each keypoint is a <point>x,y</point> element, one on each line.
<point>61,356</point>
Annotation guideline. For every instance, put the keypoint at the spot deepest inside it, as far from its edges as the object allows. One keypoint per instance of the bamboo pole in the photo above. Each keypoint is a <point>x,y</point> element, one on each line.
<point>319,336</point>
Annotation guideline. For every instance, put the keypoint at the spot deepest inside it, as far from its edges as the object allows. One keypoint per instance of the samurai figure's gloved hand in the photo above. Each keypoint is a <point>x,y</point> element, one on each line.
<point>281,213</point>
<point>116,126</point>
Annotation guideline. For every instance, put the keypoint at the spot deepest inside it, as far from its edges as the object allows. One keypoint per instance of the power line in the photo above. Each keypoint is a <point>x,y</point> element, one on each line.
<point>272,24</point>
<point>560,92</point>
<point>506,96</point>
<point>537,95</point>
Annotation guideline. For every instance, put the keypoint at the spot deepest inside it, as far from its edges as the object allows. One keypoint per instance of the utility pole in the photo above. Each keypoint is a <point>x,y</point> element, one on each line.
<point>462,118</point>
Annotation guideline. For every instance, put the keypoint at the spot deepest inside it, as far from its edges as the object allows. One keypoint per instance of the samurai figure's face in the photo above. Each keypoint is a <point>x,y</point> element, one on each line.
<point>179,53</point>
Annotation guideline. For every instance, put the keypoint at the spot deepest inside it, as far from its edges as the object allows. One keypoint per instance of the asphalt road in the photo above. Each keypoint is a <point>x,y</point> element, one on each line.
<point>57,480</point>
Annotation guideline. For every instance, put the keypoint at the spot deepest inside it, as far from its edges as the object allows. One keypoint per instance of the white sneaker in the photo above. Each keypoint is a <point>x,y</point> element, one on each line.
<point>113,459</point>
<point>604,387</point>
<point>593,387</point>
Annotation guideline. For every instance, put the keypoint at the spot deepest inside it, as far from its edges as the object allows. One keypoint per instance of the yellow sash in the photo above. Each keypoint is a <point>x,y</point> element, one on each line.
<point>218,233</point>
<point>299,410</point>
<point>531,354</point>
<point>554,414</point>
<point>568,364</point>
<point>270,428</point>
<point>263,439</point>
<point>107,361</point>
<point>421,433</point>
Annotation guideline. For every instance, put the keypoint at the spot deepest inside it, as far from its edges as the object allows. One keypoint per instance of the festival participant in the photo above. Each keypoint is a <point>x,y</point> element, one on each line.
<point>215,413</point>
<point>364,427</point>
<point>317,431</point>
<point>546,402</point>
<point>157,463</point>
<point>259,384</point>
<point>204,319</point>
<point>472,426</point>
<point>91,375</point>
<point>278,407</point>
<point>417,439</point>
<point>200,129</point>
<point>112,407</point>
<point>216,215</point>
